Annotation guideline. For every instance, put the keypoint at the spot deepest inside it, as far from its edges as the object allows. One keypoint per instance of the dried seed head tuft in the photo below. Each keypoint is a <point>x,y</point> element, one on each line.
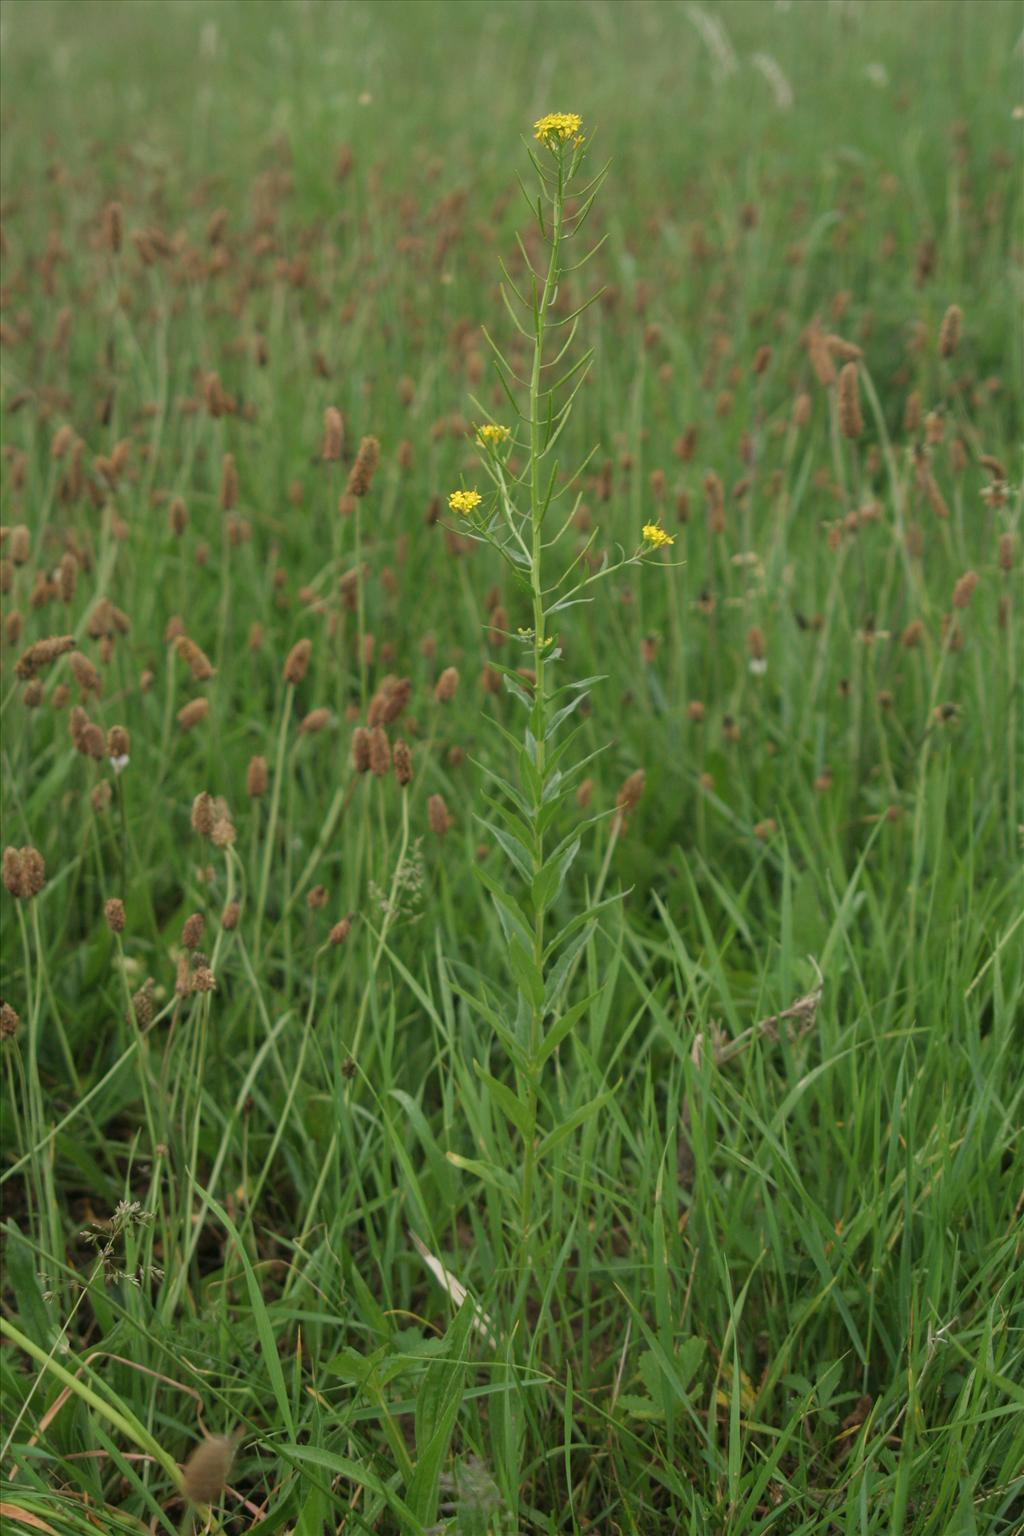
<point>367,459</point>
<point>256,778</point>
<point>315,721</point>
<point>380,752</point>
<point>113,911</point>
<point>204,814</point>
<point>1006,551</point>
<point>191,714</point>
<point>403,762</point>
<point>229,917</point>
<point>437,816</point>
<point>206,1471</point>
<point>119,743</point>
<point>630,794</point>
<point>447,685</point>
<point>42,653</point>
<point>199,663</point>
<point>9,1022</point>
<point>316,899</point>
<point>851,422</point>
<point>223,834</point>
<point>85,674</point>
<point>361,749</point>
<point>192,930</point>
<point>334,435</point>
<point>949,331</point>
<point>389,701</point>
<point>112,232</point>
<point>340,932</point>
<point>297,661</point>
<point>964,588</point>
<point>24,872</point>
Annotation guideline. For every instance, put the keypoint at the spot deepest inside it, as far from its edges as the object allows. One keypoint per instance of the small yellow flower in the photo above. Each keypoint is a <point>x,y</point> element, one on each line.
<point>656,537</point>
<point>557,127</point>
<point>464,501</point>
<point>491,435</point>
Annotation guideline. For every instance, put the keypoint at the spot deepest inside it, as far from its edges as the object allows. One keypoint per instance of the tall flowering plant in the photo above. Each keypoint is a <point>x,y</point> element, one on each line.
<point>525,516</point>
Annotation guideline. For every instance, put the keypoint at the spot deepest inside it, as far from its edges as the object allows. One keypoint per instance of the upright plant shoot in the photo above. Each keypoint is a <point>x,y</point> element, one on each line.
<point>526,518</point>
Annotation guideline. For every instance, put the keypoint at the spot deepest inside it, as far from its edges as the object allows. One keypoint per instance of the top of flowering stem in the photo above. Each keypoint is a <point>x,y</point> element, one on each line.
<point>492,435</point>
<point>557,127</point>
<point>464,501</point>
<point>656,537</point>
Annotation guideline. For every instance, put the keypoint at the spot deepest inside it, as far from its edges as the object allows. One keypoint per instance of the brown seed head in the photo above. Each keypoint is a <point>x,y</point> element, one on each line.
<point>85,674</point>
<point>437,816</point>
<point>361,749</point>
<point>389,701</point>
<point>42,653</point>
<point>403,762</point>
<point>340,932</point>
<point>118,742</point>
<point>949,331</point>
<point>316,899</point>
<point>223,834</point>
<point>367,459</point>
<point>20,544</point>
<point>851,422</point>
<point>315,721</point>
<point>912,413</point>
<point>256,778</point>
<point>191,714</point>
<point>199,663</point>
<point>204,814</point>
<point>964,588</point>
<point>447,685</point>
<point>112,232</point>
<point>113,911</point>
<point>380,752</point>
<point>24,872</point>
<point>1006,551</point>
<point>334,435</point>
<point>630,794</point>
<point>192,930</point>
<point>297,661</point>
<point>9,1022</point>
<point>229,917</point>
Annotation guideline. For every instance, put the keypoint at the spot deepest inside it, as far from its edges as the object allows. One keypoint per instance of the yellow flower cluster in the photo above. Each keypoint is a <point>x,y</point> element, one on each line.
<point>491,435</point>
<point>556,127</point>
<point>464,501</point>
<point>656,537</point>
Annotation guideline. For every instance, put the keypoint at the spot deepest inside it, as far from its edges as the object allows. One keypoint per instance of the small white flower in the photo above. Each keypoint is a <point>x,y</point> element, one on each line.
<point>119,764</point>
<point>758,665</point>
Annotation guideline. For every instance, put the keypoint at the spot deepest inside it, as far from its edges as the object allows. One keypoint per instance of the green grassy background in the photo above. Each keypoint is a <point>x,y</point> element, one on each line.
<point>804,1316</point>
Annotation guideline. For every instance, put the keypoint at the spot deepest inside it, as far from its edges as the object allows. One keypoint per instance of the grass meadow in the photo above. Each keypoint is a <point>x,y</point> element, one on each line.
<point>513,957</point>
